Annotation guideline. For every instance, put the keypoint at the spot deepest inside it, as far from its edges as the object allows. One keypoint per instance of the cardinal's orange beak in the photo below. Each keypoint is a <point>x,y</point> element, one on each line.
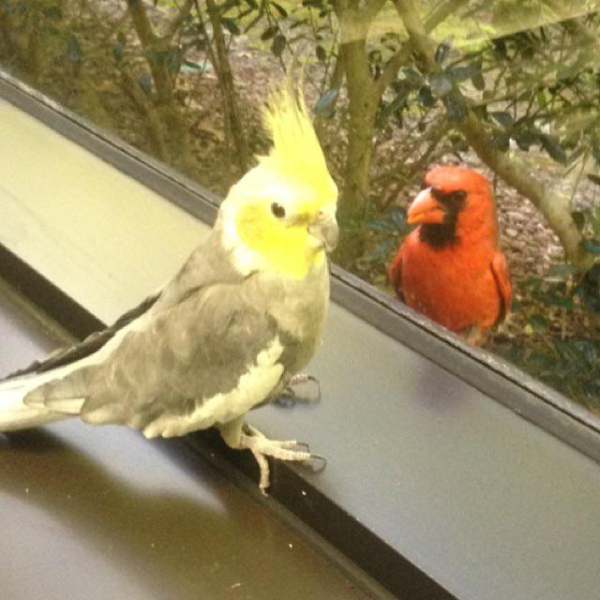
<point>425,209</point>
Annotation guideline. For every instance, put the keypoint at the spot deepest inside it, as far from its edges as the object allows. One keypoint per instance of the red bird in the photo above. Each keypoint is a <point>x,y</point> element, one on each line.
<point>451,268</point>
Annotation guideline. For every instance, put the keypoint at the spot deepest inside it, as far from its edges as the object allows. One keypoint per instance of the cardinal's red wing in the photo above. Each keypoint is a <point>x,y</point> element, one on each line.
<point>502,277</point>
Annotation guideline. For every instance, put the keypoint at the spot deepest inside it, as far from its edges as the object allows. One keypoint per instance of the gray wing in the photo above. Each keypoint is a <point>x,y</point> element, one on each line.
<point>90,345</point>
<point>207,359</point>
<point>207,266</point>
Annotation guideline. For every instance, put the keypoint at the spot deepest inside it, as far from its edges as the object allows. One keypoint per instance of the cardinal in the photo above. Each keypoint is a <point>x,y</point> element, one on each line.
<point>451,268</point>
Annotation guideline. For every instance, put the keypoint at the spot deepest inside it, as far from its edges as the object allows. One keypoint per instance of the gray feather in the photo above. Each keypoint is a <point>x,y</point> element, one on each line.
<point>192,343</point>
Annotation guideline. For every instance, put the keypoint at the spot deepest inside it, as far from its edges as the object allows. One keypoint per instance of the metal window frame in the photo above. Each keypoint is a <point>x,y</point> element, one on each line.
<point>498,379</point>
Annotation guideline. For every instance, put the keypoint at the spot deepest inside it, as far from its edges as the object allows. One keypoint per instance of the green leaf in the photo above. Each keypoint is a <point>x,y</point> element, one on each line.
<point>525,139</point>
<point>412,77</point>
<point>500,49</point>
<point>594,178</point>
<point>441,85</point>
<point>558,301</point>
<point>503,118</point>
<point>553,148</point>
<point>278,45</point>
<point>578,219</point>
<point>397,103</point>
<point>74,53</point>
<point>502,142</point>
<point>541,362</point>
<point>280,9</point>
<point>145,82</point>
<point>595,220</point>
<point>463,73</point>
<point>478,82</point>
<point>538,324</point>
<point>591,246</point>
<point>325,105</point>
<point>269,32</point>
<point>456,107</point>
<point>426,97</point>
<point>375,56</point>
<point>587,350</point>
<point>53,13</point>
<point>118,52</point>
<point>442,52</point>
<point>230,25</point>
<point>398,218</point>
<point>541,98</point>
<point>567,352</point>
<point>564,271</point>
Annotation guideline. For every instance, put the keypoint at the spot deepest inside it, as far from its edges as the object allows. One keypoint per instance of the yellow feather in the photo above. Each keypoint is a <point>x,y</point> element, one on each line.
<point>294,174</point>
<point>296,153</point>
<point>287,249</point>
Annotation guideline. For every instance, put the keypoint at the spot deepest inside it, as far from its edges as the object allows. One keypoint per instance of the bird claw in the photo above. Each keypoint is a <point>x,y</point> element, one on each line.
<point>290,397</point>
<point>317,463</point>
<point>262,447</point>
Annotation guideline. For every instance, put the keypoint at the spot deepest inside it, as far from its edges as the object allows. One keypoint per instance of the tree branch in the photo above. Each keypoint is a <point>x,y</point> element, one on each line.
<point>141,22</point>
<point>390,72</point>
<point>176,23</point>
<point>226,82</point>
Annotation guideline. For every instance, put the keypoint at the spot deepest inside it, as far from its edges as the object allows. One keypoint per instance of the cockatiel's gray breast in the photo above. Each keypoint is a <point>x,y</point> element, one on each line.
<point>299,308</point>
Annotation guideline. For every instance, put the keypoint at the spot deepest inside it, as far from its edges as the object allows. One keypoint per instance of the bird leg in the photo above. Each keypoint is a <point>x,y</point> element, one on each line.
<point>241,436</point>
<point>474,335</point>
<point>290,396</point>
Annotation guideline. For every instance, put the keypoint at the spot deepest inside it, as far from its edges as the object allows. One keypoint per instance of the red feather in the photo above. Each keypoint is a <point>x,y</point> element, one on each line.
<point>454,271</point>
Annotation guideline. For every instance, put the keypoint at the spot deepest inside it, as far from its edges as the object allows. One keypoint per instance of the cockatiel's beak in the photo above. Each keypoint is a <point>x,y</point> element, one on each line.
<point>325,230</point>
<point>425,209</point>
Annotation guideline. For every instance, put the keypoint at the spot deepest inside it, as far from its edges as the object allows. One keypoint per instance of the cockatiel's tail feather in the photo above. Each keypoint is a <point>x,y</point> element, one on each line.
<point>47,391</point>
<point>15,414</point>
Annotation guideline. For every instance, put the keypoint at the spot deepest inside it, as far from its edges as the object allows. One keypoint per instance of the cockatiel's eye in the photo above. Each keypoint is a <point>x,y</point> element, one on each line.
<point>278,210</point>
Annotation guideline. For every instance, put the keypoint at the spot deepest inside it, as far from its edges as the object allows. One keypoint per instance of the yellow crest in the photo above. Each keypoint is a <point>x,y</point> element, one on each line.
<point>296,153</point>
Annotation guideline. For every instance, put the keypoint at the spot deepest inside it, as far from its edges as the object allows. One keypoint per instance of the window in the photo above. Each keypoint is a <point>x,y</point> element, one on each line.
<point>504,89</point>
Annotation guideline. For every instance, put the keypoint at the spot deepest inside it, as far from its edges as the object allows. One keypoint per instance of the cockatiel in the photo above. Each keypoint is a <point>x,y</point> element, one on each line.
<point>228,333</point>
<point>451,268</point>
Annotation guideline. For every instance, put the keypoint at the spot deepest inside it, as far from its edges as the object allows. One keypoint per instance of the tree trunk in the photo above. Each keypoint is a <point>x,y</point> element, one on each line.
<point>233,118</point>
<point>363,100</point>
<point>362,107</point>
<point>155,49</point>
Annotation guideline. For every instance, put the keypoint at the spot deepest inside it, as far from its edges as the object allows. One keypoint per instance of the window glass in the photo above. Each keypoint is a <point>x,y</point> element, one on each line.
<point>402,92</point>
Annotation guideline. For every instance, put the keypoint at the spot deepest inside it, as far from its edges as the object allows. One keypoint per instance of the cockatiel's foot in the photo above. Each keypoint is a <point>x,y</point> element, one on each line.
<point>261,447</point>
<point>291,396</point>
